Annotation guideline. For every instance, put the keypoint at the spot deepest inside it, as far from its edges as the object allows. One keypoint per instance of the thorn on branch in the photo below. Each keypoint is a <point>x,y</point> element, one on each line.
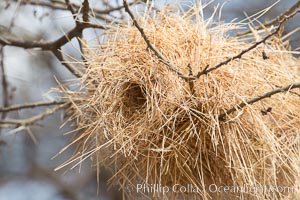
<point>264,55</point>
<point>266,111</point>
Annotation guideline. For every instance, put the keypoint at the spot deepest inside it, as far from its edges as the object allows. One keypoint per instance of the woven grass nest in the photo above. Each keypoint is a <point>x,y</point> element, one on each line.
<point>144,123</point>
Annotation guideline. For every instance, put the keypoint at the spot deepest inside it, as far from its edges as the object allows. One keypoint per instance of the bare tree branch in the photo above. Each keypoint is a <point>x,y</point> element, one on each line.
<point>4,82</point>
<point>32,120</point>
<point>292,92</point>
<point>161,57</point>
<point>256,99</point>
<point>31,105</point>
<point>238,56</point>
<point>53,46</point>
<point>69,66</point>
<point>61,6</point>
<point>85,19</point>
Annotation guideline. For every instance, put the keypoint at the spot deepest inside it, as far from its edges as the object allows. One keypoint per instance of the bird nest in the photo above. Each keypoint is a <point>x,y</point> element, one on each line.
<point>161,134</point>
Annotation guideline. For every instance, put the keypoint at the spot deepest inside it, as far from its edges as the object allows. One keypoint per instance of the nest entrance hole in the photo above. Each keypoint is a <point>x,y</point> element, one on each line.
<point>135,96</point>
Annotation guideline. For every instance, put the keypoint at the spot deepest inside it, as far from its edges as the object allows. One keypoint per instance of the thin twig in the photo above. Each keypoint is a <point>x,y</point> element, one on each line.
<point>8,126</point>
<point>61,6</point>
<point>30,105</point>
<point>71,9</point>
<point>32,120</point>
<point>4,82</point>
<point>69,66</point>
<point>85,19</point>
<point>238,56</point>
<point>161,57</point>
<point>292,92</point>
<point>256,99</point>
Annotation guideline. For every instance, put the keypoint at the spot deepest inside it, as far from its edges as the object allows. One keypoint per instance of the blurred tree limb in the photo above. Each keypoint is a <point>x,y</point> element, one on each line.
<point>30,105</point>
<point>61,5</point>
<point>53,46</point>
<point>34,119</point>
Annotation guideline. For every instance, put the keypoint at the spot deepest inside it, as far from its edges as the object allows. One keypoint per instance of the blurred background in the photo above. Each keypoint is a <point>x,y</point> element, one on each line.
<point>26,154</point>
